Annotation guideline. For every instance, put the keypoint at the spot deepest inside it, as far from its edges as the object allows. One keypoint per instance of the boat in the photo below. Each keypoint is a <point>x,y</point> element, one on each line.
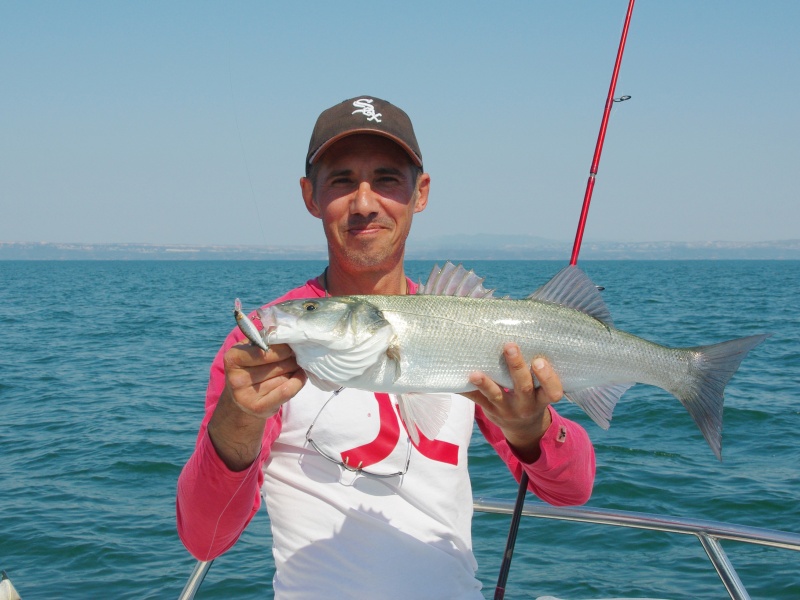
<point>7,591</point>
<point>709,534</point>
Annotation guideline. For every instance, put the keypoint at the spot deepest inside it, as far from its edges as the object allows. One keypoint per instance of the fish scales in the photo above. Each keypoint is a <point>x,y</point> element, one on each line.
<point>441,340</point>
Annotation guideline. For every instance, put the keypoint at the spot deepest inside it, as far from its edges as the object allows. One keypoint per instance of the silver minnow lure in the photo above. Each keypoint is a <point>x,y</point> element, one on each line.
<point>247,327</point>
<point>429,343</point>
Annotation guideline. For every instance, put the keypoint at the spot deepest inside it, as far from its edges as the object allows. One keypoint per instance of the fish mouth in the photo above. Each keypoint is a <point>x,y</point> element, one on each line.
<point>269,326</point>
<point>278,326</point>
<point>268,334</point>
<point>268,321</point>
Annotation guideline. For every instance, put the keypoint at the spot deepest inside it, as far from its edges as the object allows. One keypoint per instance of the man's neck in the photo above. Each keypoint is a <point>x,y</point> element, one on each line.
<point>339,282</point>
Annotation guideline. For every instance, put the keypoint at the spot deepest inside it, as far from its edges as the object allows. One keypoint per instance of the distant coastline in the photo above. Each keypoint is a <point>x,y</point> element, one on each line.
<point>472,247</point>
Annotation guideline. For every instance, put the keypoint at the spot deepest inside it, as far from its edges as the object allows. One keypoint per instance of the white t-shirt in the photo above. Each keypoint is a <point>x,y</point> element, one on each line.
<point>346,535</point>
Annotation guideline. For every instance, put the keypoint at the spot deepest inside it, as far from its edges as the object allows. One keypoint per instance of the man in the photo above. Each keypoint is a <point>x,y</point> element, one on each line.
<point>357,509</point>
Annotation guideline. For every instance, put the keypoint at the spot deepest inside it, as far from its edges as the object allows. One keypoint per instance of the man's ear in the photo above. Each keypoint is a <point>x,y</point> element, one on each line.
<point>307,189</point>
<point>423,187</point>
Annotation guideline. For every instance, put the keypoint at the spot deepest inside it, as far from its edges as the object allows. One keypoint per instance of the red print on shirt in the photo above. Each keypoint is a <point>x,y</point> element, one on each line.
<point>389,436</point>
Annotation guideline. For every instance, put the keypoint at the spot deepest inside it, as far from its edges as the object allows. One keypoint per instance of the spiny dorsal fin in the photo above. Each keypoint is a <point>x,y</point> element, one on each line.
<point>571,287</point>
<point>452,280</point>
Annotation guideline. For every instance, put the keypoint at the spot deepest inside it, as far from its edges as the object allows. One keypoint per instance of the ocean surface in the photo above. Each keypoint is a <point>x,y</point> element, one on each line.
<point>103,369</point>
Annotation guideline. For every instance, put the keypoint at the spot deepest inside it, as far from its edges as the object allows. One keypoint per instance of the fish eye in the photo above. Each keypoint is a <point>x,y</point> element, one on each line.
<point>310,306</point>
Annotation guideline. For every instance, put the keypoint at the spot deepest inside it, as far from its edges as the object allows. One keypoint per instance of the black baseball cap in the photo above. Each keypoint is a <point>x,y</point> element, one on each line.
<point>363,114</point>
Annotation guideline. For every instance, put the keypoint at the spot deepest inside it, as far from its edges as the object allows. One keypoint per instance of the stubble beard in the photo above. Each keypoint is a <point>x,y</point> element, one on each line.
<point>372,254</point>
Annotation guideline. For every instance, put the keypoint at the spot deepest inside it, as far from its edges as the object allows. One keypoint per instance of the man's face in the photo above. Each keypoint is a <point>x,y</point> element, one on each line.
<point>366,196</point>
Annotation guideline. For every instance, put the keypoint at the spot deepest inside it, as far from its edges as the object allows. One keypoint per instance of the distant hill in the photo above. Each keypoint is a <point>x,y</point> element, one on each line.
<point>77,251</point>
<point>516,247</point>
<point>466,247</point>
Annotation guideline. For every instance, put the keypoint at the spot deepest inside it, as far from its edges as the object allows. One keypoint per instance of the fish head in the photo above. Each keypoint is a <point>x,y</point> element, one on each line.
<point>335,340</point>
<point>335,323</point>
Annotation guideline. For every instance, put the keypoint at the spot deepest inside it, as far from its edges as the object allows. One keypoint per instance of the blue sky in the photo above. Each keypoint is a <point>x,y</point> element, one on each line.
<point>179,122</point>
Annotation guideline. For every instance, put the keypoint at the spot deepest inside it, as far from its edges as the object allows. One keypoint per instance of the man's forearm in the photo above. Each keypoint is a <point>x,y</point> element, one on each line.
<point>236,435</point>
<point>563,474</point>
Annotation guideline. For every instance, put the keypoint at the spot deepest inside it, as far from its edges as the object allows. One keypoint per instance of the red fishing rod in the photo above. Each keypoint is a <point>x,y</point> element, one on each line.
<point>500,590</point>
<point>601,138</point>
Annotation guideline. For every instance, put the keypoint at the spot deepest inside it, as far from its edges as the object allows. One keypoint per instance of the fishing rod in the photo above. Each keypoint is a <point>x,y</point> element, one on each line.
<point>502,578</point>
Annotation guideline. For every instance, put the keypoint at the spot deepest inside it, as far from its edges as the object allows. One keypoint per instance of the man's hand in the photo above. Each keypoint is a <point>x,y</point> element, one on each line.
<point>257,384</point>
<point>521,413</point>
<point>260,382</point>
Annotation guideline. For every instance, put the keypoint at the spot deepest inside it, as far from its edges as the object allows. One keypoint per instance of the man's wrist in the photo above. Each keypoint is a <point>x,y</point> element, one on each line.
<point>525,443</point>
<point>235,434</point>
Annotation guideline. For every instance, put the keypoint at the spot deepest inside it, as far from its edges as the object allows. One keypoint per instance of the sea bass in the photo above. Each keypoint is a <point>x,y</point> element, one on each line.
<point>417,345</point>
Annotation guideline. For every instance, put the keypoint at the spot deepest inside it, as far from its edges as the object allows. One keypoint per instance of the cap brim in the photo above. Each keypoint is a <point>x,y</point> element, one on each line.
<point>321,150</point>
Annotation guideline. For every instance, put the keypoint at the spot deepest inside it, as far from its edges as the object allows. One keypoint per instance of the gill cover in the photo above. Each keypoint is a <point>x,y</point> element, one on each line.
<point>335,340</point>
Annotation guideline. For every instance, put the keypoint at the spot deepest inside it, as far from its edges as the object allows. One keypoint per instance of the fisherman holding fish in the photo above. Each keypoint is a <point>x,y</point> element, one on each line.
<point>368,492</point>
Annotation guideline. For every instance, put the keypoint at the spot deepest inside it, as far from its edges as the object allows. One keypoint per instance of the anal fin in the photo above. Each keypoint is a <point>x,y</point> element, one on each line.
<point>599,402</point>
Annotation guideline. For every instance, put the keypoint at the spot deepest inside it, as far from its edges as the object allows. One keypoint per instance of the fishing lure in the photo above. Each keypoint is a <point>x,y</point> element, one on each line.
<point>247,327</point>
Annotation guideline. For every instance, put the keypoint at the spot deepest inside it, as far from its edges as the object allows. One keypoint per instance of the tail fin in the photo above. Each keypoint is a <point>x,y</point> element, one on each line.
<point>711,367</point>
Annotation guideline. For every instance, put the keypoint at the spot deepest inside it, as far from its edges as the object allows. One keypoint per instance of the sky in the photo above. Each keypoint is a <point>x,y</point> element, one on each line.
<point>188,122</point>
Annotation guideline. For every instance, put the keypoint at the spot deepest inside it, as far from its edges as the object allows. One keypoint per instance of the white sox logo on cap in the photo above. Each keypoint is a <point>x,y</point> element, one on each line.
<point>364,106</point>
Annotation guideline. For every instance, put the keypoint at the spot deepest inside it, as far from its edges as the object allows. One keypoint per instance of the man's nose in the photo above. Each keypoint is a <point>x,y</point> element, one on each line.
<point>364,201</point>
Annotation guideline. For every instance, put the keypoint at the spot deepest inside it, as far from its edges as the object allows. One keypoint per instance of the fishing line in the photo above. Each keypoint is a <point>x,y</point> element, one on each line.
<point>244,155</point>
<point>502,578</point>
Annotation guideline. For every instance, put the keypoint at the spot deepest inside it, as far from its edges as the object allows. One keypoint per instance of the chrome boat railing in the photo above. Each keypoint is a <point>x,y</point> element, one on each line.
<point>707,532</point>
<point>195,579</point>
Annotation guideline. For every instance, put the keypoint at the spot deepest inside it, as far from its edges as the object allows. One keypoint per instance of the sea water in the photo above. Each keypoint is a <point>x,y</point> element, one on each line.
<point>103,369</point>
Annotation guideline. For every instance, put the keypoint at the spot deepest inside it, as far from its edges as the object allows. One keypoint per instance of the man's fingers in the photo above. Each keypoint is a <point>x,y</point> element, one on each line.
<point>257,377</point>
<point>260,391</point>
<point>252,376</point>
<point>550,383</point>
<point>488,391</point>
<point>282,387</point>
<point>519,369</point>
<point>247,355</point>
<point>293,384</point>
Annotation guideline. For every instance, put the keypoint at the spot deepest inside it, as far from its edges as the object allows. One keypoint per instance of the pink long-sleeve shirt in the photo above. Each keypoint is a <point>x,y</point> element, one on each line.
<point>214,504</point>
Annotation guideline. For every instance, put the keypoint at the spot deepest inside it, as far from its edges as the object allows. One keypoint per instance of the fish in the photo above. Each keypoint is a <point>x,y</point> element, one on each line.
<point>423,347</point>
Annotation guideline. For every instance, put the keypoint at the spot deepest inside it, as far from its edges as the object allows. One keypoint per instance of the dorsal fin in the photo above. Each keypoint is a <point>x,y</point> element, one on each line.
<point>452,280</point>
<point>571,287</point>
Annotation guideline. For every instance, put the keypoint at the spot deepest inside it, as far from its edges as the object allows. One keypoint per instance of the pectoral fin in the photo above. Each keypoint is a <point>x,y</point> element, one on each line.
<point>425,413</point>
